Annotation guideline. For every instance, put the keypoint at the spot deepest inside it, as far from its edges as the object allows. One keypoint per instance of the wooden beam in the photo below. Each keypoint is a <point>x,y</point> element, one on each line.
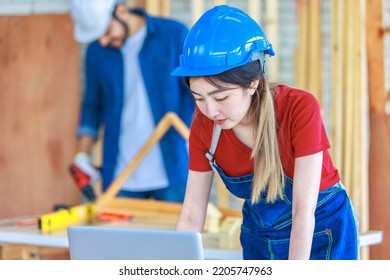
<point>170,119</point>
<point>197,8</point>
<point>165,8</point>
<point>379,157</point>
<point>379,180</point>
<point>301,72</point>
<point>347,93</point>
<point>314,81</point>
<point>349,103</point>
<point>337,39</point>
<point>158,7</point>
<point>376,54</point>
<point>358,188</point>
<point>220,2</point>
<point>254,9</point>
<point>272,32</point>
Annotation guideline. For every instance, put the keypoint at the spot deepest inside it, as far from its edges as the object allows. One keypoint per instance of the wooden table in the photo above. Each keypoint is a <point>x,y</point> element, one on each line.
<point>31,236</point>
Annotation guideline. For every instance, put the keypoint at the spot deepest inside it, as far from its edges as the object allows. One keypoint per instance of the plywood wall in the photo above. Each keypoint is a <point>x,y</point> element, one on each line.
<point>379,162</point>
<point>380,183</point>
<point>39,99</point>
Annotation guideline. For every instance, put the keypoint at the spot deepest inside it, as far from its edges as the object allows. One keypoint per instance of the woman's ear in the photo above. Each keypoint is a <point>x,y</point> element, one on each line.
<point>253,87</point>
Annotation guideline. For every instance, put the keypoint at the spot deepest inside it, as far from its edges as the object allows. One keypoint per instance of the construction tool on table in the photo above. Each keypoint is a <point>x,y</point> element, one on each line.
<point>19,221</point>
<point>54,221</point>
<point>83,182</point>
<point>62,218</point>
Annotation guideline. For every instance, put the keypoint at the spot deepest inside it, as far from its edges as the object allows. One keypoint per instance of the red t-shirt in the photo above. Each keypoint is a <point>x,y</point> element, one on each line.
<point>301,132</point>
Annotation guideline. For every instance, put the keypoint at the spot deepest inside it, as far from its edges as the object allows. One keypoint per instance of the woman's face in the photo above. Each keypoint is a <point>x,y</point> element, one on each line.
<point>227,107</point>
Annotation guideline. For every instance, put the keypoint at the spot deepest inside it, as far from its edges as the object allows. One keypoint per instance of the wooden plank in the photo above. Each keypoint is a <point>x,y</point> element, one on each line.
<point>39,104</point>
<point>170,119</point>
<point>230,212</point>
<point>379,157</point>
<point>348,95</point>
<point>157,206</point>
<point>379,182</point>
<point>220,2</point>
<point>157,7</point>
<point>314,78</point>
<point>18,252</point>
<point>272,33</point>
<point>309,50</point>
<point>349,115</point>
<point>29,252</point>
<point>254,9</point>
<point>359,184</point>
<point>165,8</point>
<point>376,53</point>
<point>145,205</point>
<point>153,7</point>
<point>197,9</point>
<point>337,39</point>
<point>301,51</point>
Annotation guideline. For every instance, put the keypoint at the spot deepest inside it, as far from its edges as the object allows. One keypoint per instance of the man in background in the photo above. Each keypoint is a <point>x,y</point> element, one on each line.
<point>128,90</point>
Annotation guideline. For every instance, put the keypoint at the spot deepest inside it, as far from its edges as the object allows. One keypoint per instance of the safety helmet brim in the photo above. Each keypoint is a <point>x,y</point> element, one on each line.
<point>195,72</point>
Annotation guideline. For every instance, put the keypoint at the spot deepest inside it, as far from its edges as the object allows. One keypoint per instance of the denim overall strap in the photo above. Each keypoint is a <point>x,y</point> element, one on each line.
<point>214,141</point>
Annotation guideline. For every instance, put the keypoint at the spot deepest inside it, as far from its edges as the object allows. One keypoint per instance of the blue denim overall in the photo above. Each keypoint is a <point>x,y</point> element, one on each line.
<point>266,227</point>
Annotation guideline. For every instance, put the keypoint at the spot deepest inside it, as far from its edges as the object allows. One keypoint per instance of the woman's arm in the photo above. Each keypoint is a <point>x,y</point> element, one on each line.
<point>193,212</point>
<point>307,177</point>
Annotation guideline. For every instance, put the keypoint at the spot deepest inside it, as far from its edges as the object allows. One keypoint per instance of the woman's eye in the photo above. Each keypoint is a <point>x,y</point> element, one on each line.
<point>197,97</point>
<point>221,99</point>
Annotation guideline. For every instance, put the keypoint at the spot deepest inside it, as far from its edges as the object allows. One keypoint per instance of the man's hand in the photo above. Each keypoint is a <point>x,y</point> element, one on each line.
<point>85,175</point>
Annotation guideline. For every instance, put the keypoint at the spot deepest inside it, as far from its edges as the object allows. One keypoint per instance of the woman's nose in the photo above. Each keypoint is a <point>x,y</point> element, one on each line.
<point>212,109</point>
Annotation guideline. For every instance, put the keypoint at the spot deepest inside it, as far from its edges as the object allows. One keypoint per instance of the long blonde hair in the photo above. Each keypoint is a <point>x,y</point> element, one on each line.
<point>268,174</point>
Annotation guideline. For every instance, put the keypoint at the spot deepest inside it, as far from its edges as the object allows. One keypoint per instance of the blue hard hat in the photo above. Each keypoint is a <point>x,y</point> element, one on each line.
<point>223,38</point>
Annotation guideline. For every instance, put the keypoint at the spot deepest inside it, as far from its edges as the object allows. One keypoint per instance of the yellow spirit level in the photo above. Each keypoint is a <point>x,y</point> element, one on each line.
<point>61,219</point>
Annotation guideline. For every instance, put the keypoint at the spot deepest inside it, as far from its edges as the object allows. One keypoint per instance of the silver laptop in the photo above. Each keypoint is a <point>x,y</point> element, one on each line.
<point>108,243</point>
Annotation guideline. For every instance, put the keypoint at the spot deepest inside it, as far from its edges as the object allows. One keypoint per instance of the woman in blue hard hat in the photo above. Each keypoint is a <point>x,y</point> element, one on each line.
<point>268,144</point>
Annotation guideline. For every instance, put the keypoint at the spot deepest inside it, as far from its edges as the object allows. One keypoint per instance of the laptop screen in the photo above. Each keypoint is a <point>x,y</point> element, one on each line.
<point>108,243</point>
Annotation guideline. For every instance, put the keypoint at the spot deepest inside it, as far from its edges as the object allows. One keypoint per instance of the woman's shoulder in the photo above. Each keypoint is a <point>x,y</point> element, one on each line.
<point>293,96</point>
